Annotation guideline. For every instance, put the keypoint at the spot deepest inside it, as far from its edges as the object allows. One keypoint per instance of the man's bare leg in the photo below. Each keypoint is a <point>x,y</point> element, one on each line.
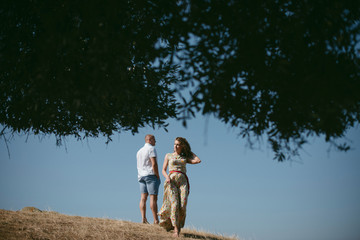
<point>143,207</point>
<point>154,208</point>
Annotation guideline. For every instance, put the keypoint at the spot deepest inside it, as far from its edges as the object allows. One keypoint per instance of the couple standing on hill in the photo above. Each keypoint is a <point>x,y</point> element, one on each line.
<point>176,188</point>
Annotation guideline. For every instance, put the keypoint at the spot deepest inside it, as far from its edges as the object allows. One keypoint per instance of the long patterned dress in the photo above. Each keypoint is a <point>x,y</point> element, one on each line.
<point>173,210</point>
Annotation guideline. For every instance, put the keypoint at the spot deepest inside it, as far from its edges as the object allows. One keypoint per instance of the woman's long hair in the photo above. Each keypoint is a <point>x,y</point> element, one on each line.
<point>185,147</point>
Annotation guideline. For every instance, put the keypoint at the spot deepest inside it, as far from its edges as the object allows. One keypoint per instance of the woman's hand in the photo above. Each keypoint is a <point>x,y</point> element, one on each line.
<point>167,180</point>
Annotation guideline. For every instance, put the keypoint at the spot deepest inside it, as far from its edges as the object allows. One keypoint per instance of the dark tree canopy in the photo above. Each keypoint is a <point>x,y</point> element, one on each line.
<point>288,69</point>
<point>68,68</point>
<point>284,69</point>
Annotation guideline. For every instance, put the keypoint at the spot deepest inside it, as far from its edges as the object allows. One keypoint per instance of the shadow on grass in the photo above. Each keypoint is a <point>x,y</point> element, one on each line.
<point>195,236</point>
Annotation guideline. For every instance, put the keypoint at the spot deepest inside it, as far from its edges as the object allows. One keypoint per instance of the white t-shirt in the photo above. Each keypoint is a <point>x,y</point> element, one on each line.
<point>144,164</point>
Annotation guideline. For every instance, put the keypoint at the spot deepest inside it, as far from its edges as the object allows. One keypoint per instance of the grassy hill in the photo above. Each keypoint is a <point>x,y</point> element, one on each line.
<point>31,223</point>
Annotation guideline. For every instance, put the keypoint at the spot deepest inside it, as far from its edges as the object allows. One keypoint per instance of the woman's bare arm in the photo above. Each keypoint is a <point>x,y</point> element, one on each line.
<point>166,161</point>
<point>194,160</point>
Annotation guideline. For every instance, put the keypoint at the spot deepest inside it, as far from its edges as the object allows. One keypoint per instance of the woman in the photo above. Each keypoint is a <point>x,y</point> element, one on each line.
<point>176,188</point>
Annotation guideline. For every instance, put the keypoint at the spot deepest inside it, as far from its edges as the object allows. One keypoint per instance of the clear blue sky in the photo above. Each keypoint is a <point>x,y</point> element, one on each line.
<point>235,190</point>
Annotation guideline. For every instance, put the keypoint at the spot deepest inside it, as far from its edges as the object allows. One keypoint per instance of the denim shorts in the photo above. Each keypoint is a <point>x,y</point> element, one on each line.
<point>149,184</point>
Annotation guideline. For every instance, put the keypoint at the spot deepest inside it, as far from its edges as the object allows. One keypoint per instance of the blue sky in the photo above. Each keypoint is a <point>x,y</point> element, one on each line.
<point>234,191</point>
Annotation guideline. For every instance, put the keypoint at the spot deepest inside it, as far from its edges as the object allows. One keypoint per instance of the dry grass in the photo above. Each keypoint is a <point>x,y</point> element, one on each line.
<point>31,224</point>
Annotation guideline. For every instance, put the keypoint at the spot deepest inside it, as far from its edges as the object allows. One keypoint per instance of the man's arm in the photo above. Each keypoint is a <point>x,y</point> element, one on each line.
<point>155,166</point>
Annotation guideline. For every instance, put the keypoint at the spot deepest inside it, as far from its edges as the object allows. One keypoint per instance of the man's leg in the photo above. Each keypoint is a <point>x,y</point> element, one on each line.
<point>152,185</point>
<point>154,208</point>
<point>143,207</point>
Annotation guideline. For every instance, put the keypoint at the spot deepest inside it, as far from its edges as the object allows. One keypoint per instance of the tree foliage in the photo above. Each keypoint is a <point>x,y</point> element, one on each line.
<point>284,69</point>
<point>69,67</point>
<point>287,69</point>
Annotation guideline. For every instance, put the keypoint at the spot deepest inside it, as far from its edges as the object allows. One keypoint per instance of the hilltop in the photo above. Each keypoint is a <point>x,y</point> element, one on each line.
<point>31,223</point>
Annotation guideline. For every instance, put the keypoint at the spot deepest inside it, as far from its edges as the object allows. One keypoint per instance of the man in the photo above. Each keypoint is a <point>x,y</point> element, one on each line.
<point>148,177</point>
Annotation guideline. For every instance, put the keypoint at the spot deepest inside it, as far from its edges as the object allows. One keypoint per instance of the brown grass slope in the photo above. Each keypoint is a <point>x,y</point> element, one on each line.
<point>31,224</point>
